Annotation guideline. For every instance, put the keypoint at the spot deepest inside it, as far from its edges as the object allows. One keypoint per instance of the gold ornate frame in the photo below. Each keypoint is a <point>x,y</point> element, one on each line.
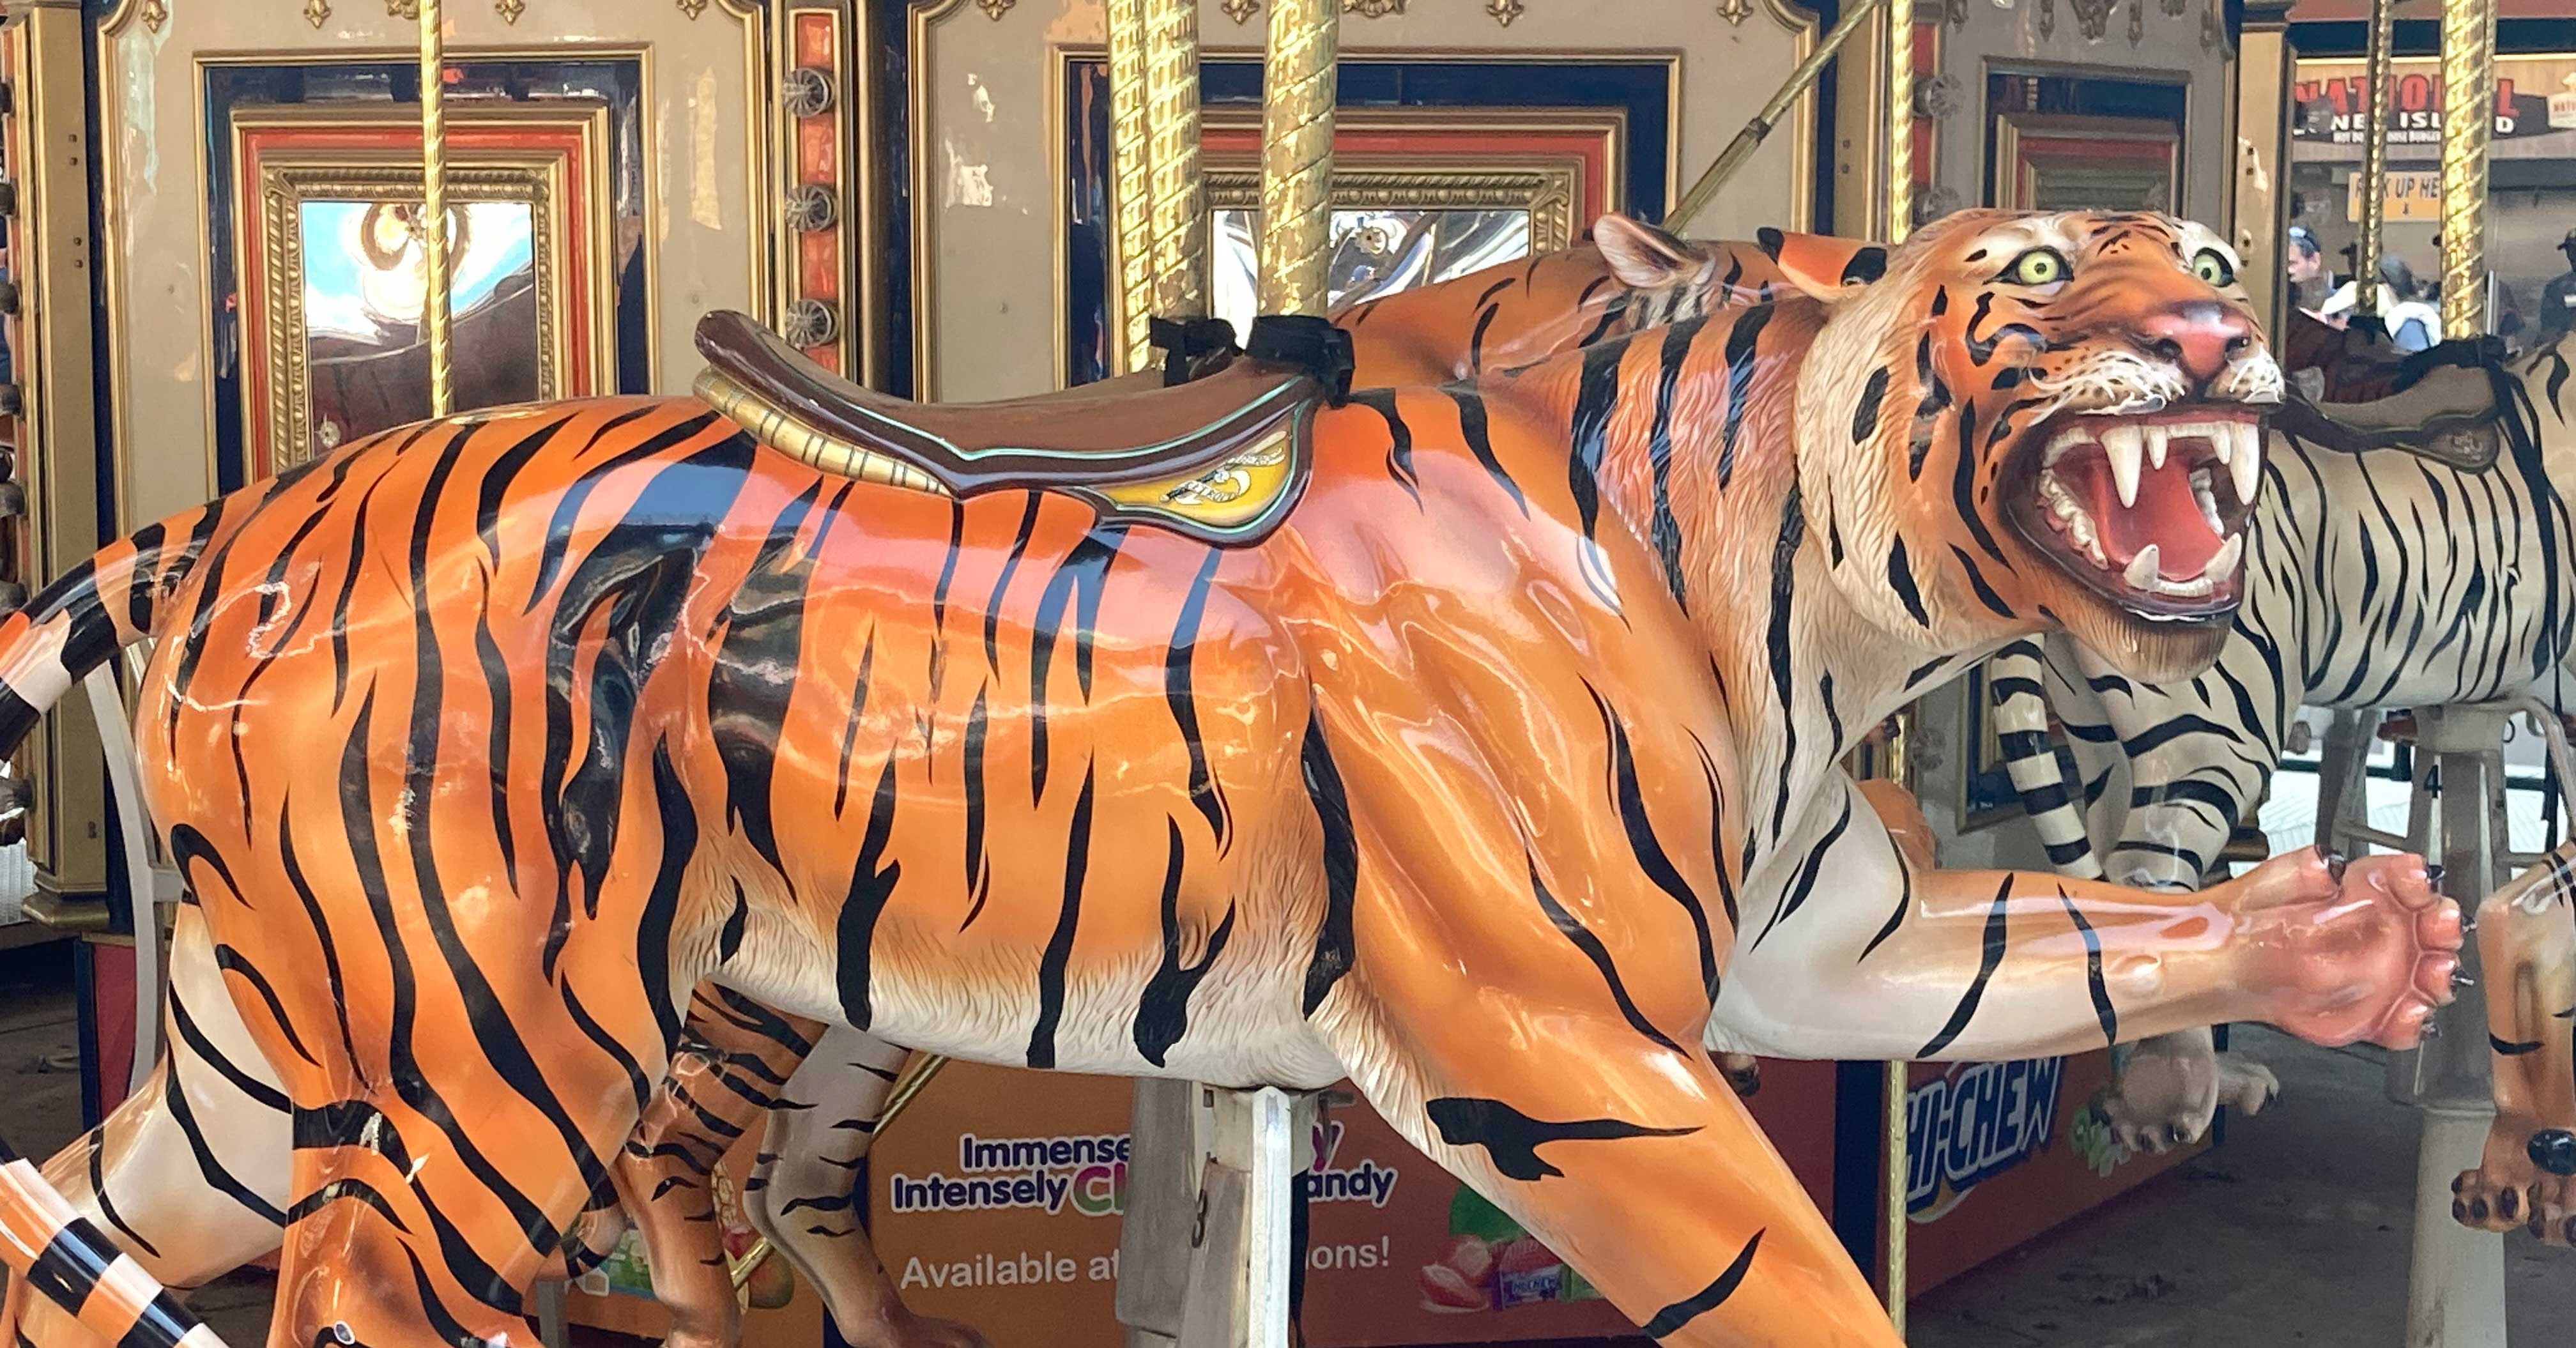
<point>2016,180</point>
<point>288,177</point>
<point>1546,190</point>
<point>1546,185</point>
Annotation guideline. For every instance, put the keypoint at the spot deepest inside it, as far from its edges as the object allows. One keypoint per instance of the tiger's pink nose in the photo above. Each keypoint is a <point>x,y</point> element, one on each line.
<point>2199,337</point>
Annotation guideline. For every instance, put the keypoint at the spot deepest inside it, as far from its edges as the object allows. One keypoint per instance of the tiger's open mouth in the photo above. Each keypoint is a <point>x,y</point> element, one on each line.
<point>2148,511</point>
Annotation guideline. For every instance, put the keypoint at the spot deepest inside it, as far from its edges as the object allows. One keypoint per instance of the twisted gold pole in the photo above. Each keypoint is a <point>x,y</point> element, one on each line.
<point>1297,97</point>
<point>2468,123</point>
<point>1172,137</point>
<point>1900,119</point>
<point>1898,1154</point>
<point>433,209</point>
<point>2374,159</point>
<point>1131,183</point>
<point>1900,222</point>
<point>1899,1176</point>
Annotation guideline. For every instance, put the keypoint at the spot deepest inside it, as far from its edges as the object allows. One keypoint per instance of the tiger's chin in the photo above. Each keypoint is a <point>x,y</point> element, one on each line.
<point>2142,516</point>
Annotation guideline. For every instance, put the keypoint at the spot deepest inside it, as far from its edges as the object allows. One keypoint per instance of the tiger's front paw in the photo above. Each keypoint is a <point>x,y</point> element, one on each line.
<point>2338,952</point>
<point>2512,1188</point>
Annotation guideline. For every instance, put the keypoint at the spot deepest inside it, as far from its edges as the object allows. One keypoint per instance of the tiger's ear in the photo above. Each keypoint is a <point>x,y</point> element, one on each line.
<point>1821,265</point>
<point>1644,257</point>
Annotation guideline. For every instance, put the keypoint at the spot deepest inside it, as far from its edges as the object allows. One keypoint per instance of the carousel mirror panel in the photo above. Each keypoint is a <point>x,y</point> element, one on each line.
<point>314,208</point>
<point>332,246</point>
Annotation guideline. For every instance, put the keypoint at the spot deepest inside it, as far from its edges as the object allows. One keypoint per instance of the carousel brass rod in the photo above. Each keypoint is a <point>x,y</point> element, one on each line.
<point>1179,208</point>
<point>1749,139</point>
<point>2374,158</point>
<point>1900,120</point>
<point>1131,181</point>
<point>2468,124</point>
<point>1159,215</point>
<point>1899,1178</point>
<point>435,317</point>
<point>1297,83</point>
<point>918,1072</point>
<point>1900,222</point>
<point>1899,765</point>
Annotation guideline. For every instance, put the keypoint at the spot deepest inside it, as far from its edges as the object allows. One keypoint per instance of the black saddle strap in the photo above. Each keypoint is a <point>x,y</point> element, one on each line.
<point>1314,344</point>
<point>2468,353</point>
<point>1192,347</point>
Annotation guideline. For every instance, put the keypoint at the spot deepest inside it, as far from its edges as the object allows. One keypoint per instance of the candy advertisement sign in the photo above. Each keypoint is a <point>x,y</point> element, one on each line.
<point>996,1200</point>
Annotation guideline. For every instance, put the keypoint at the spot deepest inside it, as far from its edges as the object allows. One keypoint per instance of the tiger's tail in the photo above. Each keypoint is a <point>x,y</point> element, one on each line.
<point>58,1255</point>
<point>2021,723</point>
<point>85,617</point>
<point>72,627</point>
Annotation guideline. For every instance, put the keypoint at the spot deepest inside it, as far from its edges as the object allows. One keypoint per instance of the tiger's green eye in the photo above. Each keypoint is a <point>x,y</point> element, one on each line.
<point>2038,267</point>
<point>2210,267</point>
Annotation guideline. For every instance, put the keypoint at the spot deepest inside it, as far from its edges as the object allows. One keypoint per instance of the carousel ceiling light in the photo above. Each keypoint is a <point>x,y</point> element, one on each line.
<point>1504,11</point>
<point>1241,11</point>
<point>315,13</point>
<point>1735,11</point>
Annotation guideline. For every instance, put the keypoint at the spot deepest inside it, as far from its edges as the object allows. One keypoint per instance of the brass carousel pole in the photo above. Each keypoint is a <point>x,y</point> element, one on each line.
<point>433,209</point>
<point>2374,159</point>
<point>1138,249</point>
<point>1131,183</point>
<point>1900,120</point>
<point>2468,123</point>
<point>2456,1284</point>
<point>1900,222</point>
<point>1179,202</point>
<point>1174,1264</point>
<point>1297,80</point>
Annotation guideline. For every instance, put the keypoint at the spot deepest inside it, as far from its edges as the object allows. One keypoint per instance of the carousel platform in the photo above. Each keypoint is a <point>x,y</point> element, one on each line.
<point>2292,1232</point>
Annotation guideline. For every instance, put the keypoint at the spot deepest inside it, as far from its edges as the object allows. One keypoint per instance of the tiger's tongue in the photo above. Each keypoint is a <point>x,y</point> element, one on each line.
<point>2166,515</point>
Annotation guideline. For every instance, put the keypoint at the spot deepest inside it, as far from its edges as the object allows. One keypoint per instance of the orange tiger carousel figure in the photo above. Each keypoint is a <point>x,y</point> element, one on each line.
<point>1476,742</point>
<point>741,1065</point>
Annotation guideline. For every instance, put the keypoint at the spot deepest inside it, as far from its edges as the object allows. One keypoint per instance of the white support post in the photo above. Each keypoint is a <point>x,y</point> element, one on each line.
<point>1207,1255</point>
<point>2456,1288</point>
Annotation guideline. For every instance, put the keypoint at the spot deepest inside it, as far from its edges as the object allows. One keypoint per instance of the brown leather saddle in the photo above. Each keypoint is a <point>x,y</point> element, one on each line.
<point>1220,459</point>
<point>2457,409</point>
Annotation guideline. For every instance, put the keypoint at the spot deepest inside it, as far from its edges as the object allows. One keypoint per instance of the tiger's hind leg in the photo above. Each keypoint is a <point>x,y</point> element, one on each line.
<point>460,1065</point>
<point>806,1195</point>
<point>2527,949</point>
<point>733,1062</point>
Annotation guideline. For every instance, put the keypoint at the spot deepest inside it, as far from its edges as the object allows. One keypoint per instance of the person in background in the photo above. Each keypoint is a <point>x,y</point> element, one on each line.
<point>2411,323</point>
<point>2305,265</point>
<point>2558,298</point>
